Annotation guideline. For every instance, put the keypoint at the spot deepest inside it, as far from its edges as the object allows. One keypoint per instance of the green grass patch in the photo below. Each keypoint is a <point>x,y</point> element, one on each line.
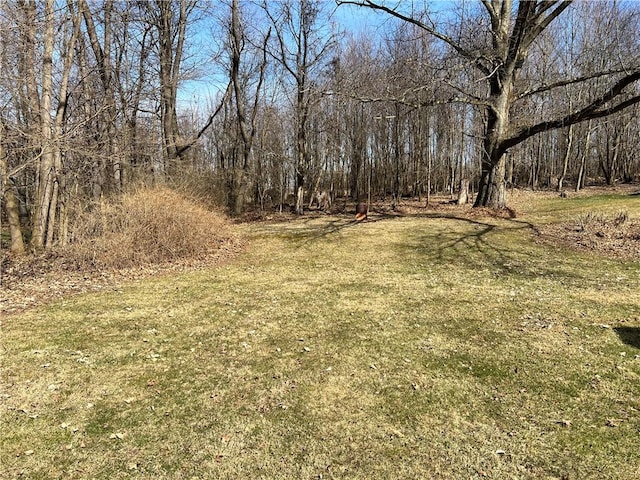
<point>416,347</point>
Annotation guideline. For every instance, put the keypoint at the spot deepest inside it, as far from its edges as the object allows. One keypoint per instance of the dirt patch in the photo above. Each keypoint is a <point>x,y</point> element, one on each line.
<point>607,236</point>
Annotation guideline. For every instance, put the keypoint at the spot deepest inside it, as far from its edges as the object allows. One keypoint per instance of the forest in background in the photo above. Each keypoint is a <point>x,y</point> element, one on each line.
<point>499,94</point>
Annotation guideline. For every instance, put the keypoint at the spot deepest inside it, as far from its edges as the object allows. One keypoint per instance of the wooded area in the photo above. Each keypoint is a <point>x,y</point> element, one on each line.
<point>485,95</point>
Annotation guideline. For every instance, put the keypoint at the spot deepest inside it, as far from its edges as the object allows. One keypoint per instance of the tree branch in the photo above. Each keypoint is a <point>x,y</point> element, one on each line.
<point>569,81</point>
<point>590,112</point>
<point>195,139</point>
<point>541,23</point>
<point>431,30</point>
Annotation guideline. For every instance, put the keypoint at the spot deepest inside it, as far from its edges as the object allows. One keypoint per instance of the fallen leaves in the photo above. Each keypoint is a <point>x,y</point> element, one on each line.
<point>616,241</point>
<point>612,422</point>
<point>31,281</point>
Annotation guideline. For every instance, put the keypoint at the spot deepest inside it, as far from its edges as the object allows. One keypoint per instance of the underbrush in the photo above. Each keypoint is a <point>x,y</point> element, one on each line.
<point>590,220</point>
<point>615,235</point>
<point>139,234</point>
<point>147,226</point>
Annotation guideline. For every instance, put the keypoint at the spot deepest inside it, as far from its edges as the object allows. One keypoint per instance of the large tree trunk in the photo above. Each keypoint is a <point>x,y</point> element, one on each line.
<point>463,193</point>
<point>237,190</point>
<point>492,191</point>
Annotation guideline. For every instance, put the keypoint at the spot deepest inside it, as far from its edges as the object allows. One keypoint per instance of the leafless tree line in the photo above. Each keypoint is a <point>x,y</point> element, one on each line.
<point>490,94</point>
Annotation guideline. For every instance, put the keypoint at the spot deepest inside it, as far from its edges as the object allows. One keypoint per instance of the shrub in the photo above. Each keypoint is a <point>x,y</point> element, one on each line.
<point>590,220</point>
<point>620,218</point>
<point>146,226</point>
<point>585,220</point>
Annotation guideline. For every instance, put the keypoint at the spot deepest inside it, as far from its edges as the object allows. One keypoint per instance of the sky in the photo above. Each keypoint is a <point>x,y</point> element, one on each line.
<point>199,93</point>
<point>353,20</point>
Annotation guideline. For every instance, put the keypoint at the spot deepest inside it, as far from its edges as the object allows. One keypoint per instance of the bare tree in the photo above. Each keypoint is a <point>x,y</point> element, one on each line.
<point>51,129</point>
<point>245,114</point>
<point>170,20</point>
<point>134,41</point>
<point>498,50</point>
<point>8,197</point>
<point>111,163</point>
<point>302,45</point>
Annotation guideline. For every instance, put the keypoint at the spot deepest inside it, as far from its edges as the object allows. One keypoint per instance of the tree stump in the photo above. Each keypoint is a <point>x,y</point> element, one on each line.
<point>463,194</point>
<point>361,212</point>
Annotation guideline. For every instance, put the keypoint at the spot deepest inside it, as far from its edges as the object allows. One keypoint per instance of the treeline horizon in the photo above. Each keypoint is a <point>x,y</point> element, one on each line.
<point>89,103</point>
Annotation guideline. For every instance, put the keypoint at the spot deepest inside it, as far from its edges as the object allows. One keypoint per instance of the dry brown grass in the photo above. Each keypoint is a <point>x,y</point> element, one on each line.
<point>143,233</point>
<point>147,226</point>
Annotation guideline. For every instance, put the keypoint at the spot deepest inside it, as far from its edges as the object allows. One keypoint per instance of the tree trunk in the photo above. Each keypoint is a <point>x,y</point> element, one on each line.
<point>583,160</point>
<point>492,190</point>
<point>300,200</point>
<point>463,193</point>
<point>12,209</point>
<point>46,171</point>
<point>44,218</point>
<point>110,164</point>
<point>171,39</point>
<point>609,164</point>
<point>429,160</point>
<point>237,191</point>
<point>510,168</point>
<point>53,207</point>
<point>11,205</point>
<point>565,162</point>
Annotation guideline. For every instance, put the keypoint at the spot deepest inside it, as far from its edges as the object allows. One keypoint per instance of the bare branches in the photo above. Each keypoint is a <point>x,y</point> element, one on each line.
<point>429,28</point>
<point>541,22</point>
<point>568,81</point>
<point>412,98</point>
<point>596,109</point>
<point>190,143</point>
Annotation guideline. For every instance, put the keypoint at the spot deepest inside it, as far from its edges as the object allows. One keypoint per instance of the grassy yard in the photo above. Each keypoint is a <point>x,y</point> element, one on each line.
<point>424,346</point>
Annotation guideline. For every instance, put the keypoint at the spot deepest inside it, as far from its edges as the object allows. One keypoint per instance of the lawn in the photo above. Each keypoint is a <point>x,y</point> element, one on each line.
<point>432,345</point>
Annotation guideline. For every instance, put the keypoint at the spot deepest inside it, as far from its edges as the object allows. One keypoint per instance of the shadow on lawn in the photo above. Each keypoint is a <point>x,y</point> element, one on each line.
<point>476,243</point>
<point>629,335</point>
<point>485,244</point>
<point>314,231</point>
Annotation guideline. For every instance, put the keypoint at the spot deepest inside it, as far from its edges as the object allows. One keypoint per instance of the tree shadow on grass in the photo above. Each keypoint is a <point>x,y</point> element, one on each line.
<point>469,240</point>
<point>476,243</point>
<point>483,243</point>
<point>310,230</point>
<point>629,335</point>
<point>473,244</point>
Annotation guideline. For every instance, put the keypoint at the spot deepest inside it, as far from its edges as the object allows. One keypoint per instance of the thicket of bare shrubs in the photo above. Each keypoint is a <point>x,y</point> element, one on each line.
<point>146,226</point>
<point>588,221</point>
